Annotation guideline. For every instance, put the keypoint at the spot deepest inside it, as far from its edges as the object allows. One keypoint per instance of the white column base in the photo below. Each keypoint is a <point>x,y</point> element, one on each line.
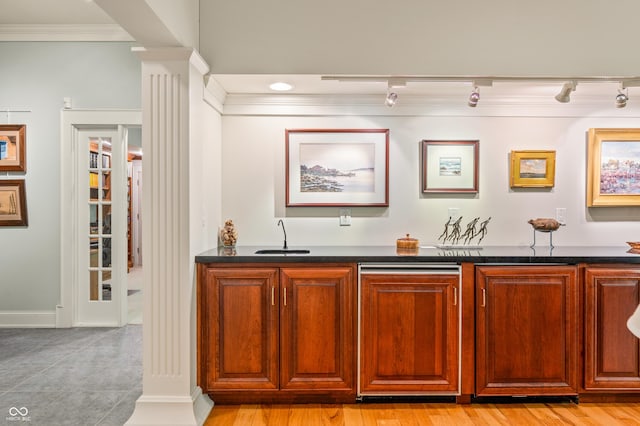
<point>172,410</point>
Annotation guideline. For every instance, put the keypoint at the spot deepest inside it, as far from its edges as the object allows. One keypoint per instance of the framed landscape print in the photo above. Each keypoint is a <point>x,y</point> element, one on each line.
<point>337,167</point>
<point>531,169</point>
<point>613,167</point>
<point>13,203</point>
<point>449,166</point>
<point>12,148</point>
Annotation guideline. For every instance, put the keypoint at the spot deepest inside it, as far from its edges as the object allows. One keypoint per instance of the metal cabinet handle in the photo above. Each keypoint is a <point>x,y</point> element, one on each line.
<point>455,296</point>
<point>285,296</point>
<point>273,296</point>
<point>484,298</point>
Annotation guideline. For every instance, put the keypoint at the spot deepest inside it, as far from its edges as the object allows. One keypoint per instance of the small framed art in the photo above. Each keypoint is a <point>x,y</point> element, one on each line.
<point>13,203</point>
<point>533,169</point>
<point>13,148</point>
<point>449,166</point>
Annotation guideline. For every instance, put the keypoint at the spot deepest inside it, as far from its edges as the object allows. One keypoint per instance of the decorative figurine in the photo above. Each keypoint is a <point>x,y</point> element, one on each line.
<point>228,234</point>
<point>544,225</point>
<point>469,234</point>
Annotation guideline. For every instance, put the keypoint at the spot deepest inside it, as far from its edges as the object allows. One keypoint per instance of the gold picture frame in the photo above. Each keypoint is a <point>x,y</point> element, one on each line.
<point>533,169</point>
<point>13,203</point>
<point>613,167</point>
<point>13,148</point>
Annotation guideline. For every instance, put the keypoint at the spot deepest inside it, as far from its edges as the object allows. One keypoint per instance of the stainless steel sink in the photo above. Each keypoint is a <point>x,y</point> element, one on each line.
<point>283,251</point>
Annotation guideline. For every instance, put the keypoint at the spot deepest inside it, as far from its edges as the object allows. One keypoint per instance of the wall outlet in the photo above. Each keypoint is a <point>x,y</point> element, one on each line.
<point>345,217</point>
<point>453,213</point>
<point>561,215</point>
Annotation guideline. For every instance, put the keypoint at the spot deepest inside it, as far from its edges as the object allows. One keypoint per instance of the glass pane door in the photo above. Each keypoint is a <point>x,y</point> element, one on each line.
<point>99,229</point>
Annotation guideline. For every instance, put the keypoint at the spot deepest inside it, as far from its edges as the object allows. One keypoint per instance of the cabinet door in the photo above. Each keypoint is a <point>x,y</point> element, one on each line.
<point>317,328</point>
<point>526,330</point>
<point>409,334</point>
<point>612,353</point>
<point>240,329</point>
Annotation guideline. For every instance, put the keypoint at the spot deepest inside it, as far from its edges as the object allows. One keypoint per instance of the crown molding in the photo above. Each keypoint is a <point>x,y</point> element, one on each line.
<point>346,105</point>
<point>63,32</point>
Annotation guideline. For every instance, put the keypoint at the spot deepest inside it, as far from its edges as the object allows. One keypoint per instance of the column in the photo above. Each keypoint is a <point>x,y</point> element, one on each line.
<point>170,78</point>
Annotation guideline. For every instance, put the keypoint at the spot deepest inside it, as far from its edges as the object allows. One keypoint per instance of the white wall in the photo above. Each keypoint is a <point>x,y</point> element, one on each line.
<point>37,76</point>
<point>254,163</point>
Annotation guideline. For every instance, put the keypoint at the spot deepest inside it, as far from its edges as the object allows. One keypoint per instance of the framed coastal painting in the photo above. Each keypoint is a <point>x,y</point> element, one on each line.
<point>449,166</point>
<point>13,203</point>
<point>613,167</point>
<point>337,167</point>
<point>533,169</point>
<point>13,148</point>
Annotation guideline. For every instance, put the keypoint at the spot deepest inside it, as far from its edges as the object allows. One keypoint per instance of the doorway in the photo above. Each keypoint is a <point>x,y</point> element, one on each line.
<point>134,225</point>
<point>95,217</point>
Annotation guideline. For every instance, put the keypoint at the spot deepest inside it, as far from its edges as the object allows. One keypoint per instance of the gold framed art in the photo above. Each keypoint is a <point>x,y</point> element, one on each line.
<point>533,169</point>
<point>613,167</point>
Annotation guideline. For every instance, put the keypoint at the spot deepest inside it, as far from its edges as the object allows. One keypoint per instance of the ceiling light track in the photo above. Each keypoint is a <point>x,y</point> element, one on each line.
<point>564,96</point>
<point>627,81</point>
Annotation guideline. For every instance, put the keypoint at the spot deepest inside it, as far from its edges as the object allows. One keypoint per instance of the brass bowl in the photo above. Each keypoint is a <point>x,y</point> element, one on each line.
<point>634,244</point>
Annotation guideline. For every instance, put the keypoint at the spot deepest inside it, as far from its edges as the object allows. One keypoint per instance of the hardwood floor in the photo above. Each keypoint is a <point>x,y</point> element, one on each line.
<point>419,414</point>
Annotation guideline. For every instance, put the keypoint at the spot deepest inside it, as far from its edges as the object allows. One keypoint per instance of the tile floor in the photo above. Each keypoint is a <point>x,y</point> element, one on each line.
<point>73,376</point>
<point>76,376</point>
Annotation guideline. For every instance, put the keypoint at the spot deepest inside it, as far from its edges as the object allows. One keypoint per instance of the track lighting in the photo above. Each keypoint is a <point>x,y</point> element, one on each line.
<point>565,93</point>
<point>623,95</point>
<point>474,97</point>
<point>392,98</point>
<point>621,99</point>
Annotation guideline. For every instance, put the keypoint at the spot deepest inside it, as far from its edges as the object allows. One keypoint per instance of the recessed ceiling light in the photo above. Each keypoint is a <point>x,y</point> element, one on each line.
<point>280,86</point>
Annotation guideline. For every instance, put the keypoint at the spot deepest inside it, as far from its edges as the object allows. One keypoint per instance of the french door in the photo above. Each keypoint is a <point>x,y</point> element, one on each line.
<point>100,227</point>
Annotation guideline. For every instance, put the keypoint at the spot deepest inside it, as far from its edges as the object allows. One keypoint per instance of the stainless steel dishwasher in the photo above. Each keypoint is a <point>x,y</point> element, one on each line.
<point>408,329</point>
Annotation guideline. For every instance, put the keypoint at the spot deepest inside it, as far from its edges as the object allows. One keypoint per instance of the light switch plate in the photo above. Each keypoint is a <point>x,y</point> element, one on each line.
<point>345,217</point>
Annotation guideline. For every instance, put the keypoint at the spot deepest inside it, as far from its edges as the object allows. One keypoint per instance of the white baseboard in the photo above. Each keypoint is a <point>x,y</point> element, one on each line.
<point>27,319</point>
<point>171,410</point>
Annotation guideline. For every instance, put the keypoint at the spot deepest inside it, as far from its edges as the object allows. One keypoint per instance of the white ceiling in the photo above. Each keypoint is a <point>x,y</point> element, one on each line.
<point>84,12</point>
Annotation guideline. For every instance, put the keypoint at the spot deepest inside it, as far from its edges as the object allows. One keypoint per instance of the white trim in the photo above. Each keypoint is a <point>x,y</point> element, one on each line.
<point>414,105</point>
<point>63,32</point>
<point>71,122</point>
<point>214,93</point>
<point>27,319</point>
<point>159,410</point>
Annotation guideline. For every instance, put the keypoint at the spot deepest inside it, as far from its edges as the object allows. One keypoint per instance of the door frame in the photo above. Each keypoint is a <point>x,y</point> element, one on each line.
<point>72,122</point>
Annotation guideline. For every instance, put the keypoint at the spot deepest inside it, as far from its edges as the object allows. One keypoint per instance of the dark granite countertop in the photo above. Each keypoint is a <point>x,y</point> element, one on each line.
<point>385,254</point>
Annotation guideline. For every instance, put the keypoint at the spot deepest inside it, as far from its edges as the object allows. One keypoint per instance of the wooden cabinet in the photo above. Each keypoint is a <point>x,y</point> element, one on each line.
<point>277,334</point>
<point>409,334</point>
<point>526,330</point>
<point>611,352</point>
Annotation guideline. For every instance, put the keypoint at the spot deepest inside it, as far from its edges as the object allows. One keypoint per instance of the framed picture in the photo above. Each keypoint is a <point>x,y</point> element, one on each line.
<point>12,148</point>
<point>533,169</point>
<point>613,167</point>
<point>13,203</point>
<point>337,167</point>
<point>449,166</point>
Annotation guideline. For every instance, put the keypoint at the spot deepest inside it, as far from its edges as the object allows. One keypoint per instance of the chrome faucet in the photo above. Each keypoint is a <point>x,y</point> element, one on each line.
<point>280,222</point>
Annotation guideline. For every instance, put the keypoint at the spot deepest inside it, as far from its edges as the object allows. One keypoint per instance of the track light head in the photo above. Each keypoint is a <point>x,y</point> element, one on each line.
<point>621,99</point>
<point>474,97</point>
<point>565,93</point>
<point>392,98</point>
